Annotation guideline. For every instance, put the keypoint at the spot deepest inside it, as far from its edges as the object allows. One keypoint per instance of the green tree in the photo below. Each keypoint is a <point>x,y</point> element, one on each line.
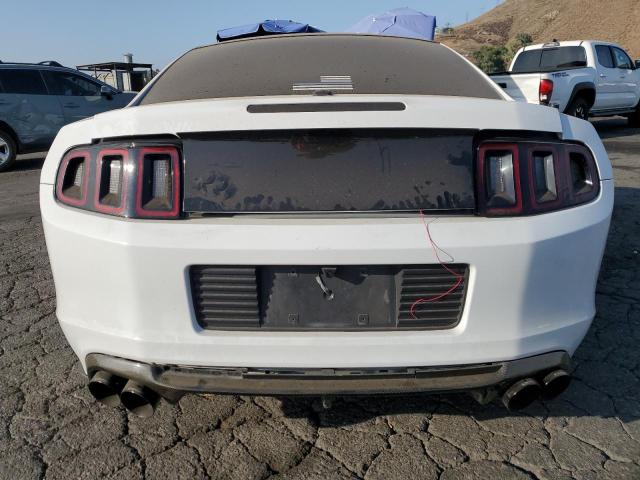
<point>519,41</point>
<point>490,59</point>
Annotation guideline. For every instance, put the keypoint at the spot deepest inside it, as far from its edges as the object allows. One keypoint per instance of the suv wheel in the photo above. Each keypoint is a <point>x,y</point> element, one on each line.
<point>8,151</point>
<point>579,108</point>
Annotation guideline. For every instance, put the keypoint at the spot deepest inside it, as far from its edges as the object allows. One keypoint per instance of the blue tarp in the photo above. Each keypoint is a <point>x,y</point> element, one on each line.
<point>268,27</point>
<point>401,22</point>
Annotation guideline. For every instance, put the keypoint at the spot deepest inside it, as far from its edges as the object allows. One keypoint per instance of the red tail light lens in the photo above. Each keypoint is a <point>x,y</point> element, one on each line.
<point>134,181</point>
<point>157,194</point>
<point>528,178</point>
<point>111,182</point>
<point>582,175</point>
<point>546,91</point>
<point>73,179</point>
<point>500,189</point>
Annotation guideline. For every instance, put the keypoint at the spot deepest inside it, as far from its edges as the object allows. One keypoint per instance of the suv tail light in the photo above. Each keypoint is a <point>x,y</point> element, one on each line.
<point>545,91</point>
<point>529,178</point>
<point>134,181</point>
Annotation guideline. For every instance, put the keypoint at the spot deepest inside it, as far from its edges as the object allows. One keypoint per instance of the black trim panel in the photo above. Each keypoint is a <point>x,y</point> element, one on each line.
<point>327,107</point>
<point>329,170</point>
<point>328,298</point>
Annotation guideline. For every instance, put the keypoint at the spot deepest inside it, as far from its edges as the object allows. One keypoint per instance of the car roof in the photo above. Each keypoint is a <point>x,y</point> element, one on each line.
<point>35,66</point>
<point>39,66</point>
<point>308,34</point>
<point>568,43</point>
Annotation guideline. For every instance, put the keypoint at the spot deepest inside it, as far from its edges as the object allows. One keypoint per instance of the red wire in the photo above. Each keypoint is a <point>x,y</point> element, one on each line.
<point>458,277</point>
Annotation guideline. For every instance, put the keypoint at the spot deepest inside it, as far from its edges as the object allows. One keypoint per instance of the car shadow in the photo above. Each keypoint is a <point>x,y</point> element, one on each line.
<point>613,127</point>
<point>29,162</point>
<point>606,376</point>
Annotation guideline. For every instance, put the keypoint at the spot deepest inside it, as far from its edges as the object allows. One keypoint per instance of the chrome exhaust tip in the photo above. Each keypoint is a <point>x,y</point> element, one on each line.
<point>555,383</point>
<point>105,388</point>
<point>138,399</point>
<point>521,394</point>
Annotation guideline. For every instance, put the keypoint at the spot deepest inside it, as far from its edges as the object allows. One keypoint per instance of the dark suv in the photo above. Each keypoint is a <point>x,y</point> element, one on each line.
<point>36,100</point>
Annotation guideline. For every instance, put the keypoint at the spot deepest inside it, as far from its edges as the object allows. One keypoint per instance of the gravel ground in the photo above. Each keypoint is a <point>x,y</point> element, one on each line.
<point>51,428</point>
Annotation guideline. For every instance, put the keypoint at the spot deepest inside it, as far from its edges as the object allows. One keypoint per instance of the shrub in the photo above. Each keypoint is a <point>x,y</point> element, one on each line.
<point>490,59</point>
<point>515,44</point>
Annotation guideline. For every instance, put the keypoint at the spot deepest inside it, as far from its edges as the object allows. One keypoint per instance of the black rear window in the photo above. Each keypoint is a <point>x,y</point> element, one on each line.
<point>527,61</point>
<point>549,59</point>
<point>273,65</point>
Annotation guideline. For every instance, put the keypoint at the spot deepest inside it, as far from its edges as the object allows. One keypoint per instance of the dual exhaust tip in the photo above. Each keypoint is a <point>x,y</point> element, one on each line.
<point>111,390</point>
<point>526,391</point>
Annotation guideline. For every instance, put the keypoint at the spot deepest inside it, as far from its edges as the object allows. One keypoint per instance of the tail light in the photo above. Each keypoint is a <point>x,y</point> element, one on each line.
<point>529,178</point>
<point>157,194</point>
<point>134,181</point>
<point>545,91</point>
<point>500,167</point>
<point>110,186</point>
<point>144,181</point>
<point>73,179</point>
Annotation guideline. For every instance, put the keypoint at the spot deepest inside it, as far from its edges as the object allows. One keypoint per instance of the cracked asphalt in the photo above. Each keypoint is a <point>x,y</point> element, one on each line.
<point>51,428</point>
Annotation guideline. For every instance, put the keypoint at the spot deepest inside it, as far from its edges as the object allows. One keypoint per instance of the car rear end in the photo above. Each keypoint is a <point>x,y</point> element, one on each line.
<point>546,74</point>
<point>411,231</point>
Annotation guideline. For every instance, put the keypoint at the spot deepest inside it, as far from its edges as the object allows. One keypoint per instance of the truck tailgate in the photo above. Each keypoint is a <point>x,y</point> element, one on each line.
<point>523,87</point>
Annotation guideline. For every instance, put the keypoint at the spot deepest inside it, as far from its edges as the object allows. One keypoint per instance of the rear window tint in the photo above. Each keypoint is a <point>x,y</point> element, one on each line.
<point>527,61</point>
<point>26,82</point>
<point>548,59</point>
<point>272,65</point>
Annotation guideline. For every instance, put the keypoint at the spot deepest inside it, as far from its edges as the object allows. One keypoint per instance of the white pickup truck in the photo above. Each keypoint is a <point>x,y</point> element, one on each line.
<point>582,78</point>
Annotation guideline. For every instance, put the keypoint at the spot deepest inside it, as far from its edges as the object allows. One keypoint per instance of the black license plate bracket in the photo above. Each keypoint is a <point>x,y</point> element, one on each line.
<point>328,297</point>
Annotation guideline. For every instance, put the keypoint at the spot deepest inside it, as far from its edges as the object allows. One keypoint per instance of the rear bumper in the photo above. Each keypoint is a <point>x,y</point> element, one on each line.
<point>123,286</point>
<point>172,381</point>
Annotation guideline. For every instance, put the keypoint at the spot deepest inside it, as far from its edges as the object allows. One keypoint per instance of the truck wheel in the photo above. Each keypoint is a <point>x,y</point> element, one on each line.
<point>579,108</point>
<point>8,151</point>
<point>634,118</point>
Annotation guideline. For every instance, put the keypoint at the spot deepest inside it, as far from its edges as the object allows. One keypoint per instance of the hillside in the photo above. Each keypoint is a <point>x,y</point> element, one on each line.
<point>611,20</point>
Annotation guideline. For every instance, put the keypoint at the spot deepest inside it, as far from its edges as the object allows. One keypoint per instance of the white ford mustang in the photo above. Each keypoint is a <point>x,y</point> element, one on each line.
<point>325,215</point>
